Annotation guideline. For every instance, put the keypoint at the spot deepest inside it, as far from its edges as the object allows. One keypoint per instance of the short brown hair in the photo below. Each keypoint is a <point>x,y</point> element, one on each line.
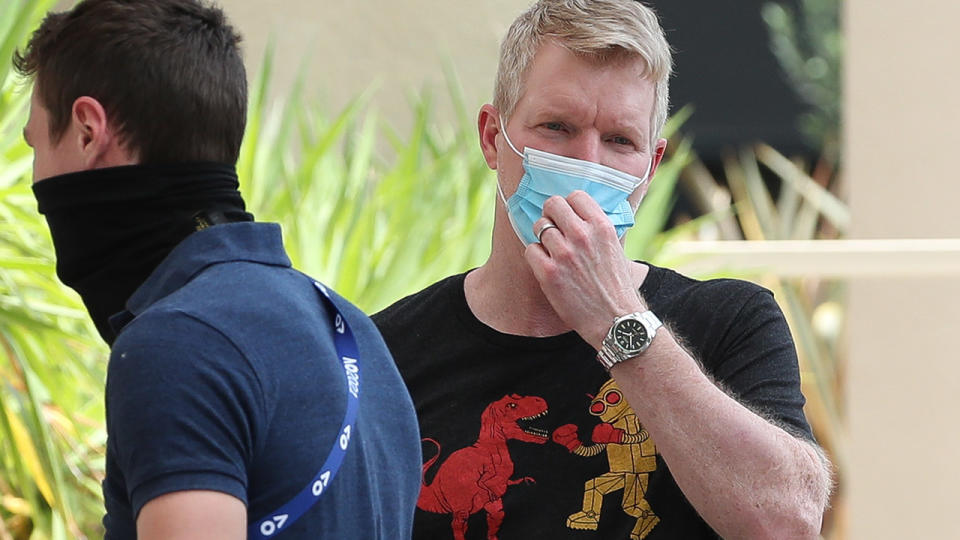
<point>169,74</point>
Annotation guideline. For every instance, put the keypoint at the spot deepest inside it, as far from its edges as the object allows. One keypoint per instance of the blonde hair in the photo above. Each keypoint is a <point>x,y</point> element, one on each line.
<point>602,28</point>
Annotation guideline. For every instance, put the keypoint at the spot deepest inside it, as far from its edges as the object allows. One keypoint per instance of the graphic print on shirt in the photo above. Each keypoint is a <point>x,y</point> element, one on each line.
<point>632,457</point>
<point>475,478</point>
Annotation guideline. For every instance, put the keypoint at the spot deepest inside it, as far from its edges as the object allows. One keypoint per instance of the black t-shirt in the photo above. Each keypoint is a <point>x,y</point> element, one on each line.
<point>491,404</point>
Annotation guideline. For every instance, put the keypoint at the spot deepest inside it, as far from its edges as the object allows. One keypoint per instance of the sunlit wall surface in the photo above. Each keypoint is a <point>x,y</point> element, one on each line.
<point>902,88</point>
<point>395,47</point>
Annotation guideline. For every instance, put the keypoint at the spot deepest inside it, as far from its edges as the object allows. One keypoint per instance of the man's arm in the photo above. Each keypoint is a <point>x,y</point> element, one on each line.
<point>193,515</point>
<point>183,406</point>
<point>746,477</point>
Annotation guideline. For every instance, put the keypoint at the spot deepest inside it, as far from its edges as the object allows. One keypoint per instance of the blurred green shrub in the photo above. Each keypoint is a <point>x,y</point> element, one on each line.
<point>808,44</point>
<point>51,369</point>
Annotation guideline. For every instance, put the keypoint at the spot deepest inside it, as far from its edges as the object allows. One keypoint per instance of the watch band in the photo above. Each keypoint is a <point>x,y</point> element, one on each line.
<point>653,323</point>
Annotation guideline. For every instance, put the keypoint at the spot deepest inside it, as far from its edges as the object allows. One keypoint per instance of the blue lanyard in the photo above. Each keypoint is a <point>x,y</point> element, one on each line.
<point>348,353</point>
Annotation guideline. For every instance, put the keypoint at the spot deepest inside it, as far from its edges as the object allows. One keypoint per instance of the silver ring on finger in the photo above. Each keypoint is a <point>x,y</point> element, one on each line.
<point>549,225</point>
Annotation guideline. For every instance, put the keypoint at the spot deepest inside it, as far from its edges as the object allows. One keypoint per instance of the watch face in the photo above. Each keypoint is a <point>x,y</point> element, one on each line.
<point>630,334</point>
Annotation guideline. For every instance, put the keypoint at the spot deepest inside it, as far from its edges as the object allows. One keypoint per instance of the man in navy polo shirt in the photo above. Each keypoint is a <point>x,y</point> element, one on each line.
<point>243,398</point>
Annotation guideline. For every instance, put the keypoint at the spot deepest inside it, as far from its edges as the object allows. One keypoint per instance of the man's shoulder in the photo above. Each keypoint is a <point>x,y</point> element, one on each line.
<point>252,286</point>
<point>258,307</point>
<point>166,322</point>
<point>703,309</point>
<point>671,286</point>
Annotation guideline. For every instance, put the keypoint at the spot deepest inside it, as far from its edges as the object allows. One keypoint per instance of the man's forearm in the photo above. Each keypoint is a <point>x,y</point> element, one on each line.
<point>745,476</point>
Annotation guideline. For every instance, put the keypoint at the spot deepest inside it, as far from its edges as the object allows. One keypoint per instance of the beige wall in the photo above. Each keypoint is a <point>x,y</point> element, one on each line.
<point>401,46</point>
<point>902,115</point>
<point>902,148</point>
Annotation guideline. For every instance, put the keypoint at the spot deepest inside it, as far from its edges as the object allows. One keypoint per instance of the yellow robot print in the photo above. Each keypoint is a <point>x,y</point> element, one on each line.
<point>632,457</point>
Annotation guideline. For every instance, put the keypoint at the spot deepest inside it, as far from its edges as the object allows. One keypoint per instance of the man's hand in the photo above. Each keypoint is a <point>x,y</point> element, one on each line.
<point>581,266</point>
<point>606,433</point>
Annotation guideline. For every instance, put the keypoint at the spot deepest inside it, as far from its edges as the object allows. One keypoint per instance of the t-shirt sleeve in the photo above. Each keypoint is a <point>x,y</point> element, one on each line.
<point>183,407</point>
<point>760,364</point>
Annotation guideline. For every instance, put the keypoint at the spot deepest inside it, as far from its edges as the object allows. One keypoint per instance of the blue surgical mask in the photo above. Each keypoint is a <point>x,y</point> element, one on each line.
<point>546,175</point>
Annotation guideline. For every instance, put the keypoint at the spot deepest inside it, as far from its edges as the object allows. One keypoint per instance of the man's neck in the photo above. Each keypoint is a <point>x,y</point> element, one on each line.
<point>107,246</point>
<point>505,295</point>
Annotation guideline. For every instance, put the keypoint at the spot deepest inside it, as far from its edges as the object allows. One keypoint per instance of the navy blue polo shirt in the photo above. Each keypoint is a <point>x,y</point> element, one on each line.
<point>224,376</point>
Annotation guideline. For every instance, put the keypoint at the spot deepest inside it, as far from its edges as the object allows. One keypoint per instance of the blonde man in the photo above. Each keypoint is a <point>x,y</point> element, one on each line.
<point>552,388</point>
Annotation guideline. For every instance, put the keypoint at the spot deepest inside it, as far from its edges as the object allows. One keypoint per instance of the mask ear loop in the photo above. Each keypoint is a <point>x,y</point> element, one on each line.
<point>500,193</point>
<point>503,131</point>
<point>646,175</point>
<point>644,180</point>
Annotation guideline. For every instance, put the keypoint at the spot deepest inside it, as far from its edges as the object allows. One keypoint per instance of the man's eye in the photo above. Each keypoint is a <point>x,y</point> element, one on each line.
<point>554,126</point>
<point>621,140</point>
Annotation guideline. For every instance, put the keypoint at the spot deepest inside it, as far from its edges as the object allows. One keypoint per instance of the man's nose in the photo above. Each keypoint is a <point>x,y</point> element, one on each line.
<point>585,146</point>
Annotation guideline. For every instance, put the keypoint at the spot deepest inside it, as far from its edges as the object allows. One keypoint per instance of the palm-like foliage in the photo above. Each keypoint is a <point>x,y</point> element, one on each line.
<point>373,227</point>
<point>51,369</point>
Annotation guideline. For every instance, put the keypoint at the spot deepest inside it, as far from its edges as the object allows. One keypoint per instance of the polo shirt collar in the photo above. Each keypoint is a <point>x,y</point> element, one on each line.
<point>232,242</point>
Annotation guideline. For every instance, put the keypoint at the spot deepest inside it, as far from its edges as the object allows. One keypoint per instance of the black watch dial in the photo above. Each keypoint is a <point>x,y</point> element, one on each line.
<point>630,334</point>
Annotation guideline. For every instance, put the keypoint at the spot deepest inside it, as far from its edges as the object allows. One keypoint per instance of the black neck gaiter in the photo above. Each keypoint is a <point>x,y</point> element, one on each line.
<point>112,227</point>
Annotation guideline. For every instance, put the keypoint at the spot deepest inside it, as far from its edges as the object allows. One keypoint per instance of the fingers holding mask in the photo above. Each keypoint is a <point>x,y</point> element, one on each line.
<point>558,210</point>
<point>567,249</point>
<point>541,226</point>
<point>579,220</point>
<point>555,230</point>
<point>580,264</point>
<point>591,216</point>
<point>538,254</point>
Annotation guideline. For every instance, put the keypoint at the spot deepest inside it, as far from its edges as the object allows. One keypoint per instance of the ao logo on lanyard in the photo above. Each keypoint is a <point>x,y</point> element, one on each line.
<point>349,355</point>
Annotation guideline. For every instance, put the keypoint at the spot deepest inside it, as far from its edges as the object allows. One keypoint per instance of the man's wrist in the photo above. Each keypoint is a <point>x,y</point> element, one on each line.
<point>602,328</point>
<point>629,336</point>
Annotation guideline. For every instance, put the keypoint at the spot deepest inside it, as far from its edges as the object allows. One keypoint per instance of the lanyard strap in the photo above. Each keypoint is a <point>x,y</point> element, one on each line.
<point>349,355</point>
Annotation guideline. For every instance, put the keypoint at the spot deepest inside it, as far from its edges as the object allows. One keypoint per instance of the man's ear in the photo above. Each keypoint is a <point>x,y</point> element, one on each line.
<point>637,195</point>
<point>658,152</point>
<point>488,124</point>
<point>91,133</point>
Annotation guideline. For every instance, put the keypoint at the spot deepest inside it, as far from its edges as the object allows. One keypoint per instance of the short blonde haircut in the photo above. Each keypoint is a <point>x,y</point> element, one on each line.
<point>601,28</point>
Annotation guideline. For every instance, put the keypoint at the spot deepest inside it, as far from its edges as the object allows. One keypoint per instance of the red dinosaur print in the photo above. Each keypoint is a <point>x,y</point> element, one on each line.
<point>476,477</point>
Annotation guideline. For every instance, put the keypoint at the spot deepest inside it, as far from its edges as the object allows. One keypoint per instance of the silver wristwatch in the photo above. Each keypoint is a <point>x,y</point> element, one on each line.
<point>629,336</point>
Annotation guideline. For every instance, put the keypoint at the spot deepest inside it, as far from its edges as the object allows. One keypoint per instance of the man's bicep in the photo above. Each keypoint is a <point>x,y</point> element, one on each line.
<point>193,515</point>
